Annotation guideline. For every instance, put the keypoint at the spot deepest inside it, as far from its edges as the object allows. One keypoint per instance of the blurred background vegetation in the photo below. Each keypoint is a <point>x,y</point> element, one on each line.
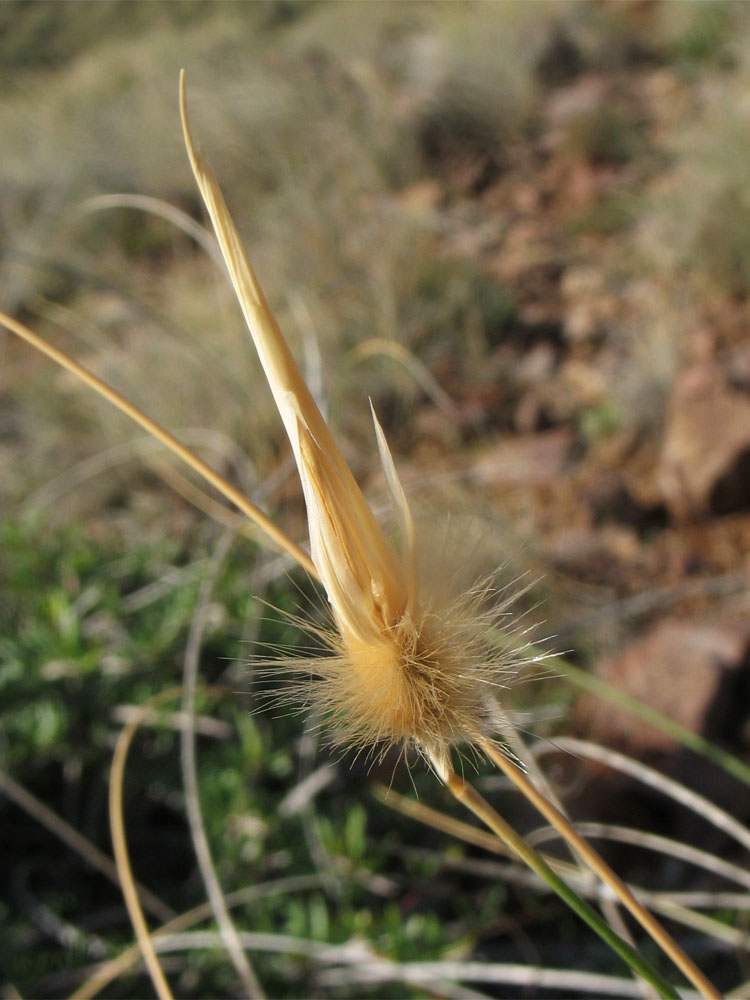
<point>524,231</point>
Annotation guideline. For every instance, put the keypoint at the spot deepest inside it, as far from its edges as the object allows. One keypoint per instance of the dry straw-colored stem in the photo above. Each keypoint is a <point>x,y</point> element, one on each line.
<point>470,797</point>
<point>252,988</point>
<point>675,790</point>
<point>224,487</point>
<point>674,849</point>
<point>449,825</point>
<point>119,838</point>
<point>587,853</point>
<point>120,844</point>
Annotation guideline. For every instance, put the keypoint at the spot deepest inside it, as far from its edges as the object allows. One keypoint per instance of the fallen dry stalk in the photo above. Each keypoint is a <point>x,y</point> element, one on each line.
<point>255,514</point>
<point>120,845</point>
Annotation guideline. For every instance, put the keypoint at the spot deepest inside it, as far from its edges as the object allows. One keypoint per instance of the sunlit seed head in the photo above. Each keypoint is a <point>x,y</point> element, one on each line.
<point>406,666</point>
<point>430,682</point>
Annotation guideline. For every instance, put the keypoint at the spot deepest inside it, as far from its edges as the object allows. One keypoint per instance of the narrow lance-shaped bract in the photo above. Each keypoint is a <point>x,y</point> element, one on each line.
<point>365,584</point>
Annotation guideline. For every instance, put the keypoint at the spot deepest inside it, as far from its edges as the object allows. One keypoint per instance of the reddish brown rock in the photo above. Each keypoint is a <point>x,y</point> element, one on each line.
<point>705,461</point>
<point>683,669</point>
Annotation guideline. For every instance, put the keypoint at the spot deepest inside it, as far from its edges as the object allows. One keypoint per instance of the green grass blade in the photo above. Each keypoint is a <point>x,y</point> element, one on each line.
<point>646,713</point>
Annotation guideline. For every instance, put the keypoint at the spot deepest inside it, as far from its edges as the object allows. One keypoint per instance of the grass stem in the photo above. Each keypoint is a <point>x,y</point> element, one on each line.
<point>469,797</point>
<point>602,869</point>
<point>120,845</point>
<point>252,988</point>
<point>224,487</point>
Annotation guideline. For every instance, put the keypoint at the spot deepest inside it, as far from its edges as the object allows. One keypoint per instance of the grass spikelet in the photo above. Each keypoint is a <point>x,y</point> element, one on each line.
<point>403,666</point>
<point>428,681</point>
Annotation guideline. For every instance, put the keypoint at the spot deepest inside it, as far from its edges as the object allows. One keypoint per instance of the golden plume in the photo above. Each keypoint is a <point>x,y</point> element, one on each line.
<point>401,669</point>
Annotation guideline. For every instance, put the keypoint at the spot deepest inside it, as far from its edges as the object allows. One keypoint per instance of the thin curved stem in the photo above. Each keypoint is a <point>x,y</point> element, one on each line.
<point>652,842</point>
<point>120,844</point>
<point>156,430</point>
<point>162,209</point>
<point>675,790</point>
<point>252,988</point>
<point>469,797</point>
<point>602,869</point>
